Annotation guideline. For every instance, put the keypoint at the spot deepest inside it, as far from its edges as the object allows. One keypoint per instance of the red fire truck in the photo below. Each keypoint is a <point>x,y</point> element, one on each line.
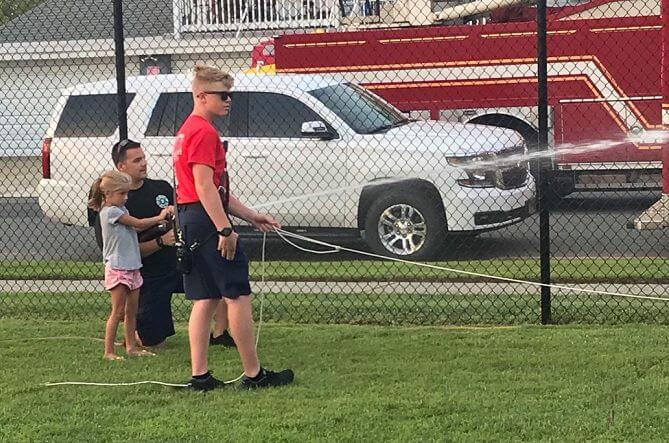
<point>604,66</point>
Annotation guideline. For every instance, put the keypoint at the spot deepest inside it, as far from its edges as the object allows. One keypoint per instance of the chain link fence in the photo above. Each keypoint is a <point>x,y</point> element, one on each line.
<point>404,129</point>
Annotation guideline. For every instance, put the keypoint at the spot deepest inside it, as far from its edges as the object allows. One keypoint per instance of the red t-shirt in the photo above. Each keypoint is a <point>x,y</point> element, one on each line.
<point>197,143</point>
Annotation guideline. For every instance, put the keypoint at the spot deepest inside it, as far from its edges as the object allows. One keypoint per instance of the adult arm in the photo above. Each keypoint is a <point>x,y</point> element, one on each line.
<point>151,246</point>
<point>207,193</point>
<point>263,222</point>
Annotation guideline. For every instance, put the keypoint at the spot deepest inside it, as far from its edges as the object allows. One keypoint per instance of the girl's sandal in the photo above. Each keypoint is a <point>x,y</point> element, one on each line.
<point>113,357</point>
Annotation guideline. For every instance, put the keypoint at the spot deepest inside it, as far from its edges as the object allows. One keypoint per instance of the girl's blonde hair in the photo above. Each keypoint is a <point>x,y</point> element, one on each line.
<point>206,75</point>
<point>109,181</point>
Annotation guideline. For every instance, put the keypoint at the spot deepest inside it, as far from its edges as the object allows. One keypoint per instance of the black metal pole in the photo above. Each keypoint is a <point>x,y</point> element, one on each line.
<point>544,163</point>
<point>120,69</point>
<point>342,8</point>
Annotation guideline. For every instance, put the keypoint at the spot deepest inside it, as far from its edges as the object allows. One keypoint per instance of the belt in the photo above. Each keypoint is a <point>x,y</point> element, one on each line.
<point>184,206</point>
<point>194,205</point>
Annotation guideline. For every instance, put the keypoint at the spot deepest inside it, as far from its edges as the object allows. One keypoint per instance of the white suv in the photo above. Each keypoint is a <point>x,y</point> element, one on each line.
<point>307,149</point>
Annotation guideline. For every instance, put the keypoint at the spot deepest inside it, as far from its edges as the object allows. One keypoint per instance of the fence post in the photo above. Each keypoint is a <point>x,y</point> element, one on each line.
<point>544,163</point>
<point>664,79</point>
<point>119,50</point>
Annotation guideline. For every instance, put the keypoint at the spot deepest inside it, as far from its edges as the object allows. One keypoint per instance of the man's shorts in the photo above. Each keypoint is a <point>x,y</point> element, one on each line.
<point>154,314</point>
<point>132,279</point>
<point>212,276</point>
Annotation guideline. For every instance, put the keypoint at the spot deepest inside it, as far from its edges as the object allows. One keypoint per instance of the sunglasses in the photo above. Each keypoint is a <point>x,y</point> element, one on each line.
<point>125,144</point>
<point>223,95</point>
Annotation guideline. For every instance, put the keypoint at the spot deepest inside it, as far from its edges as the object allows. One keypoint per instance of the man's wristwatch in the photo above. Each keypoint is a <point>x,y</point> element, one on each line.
<point>160,242</point>
<point>225,232</point>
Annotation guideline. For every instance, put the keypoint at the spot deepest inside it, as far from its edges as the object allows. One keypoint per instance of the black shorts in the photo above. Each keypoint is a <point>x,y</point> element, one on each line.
<point>154,313</point>
<point>212,276</point>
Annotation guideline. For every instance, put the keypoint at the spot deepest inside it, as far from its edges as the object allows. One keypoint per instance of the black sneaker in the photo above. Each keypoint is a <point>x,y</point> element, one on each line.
<point>207,384</point>
<point>224,339</point>
<point>266,379</point>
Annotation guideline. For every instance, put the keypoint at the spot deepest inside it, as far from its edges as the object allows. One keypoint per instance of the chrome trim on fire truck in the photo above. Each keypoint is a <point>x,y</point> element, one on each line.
<point>609,99</point>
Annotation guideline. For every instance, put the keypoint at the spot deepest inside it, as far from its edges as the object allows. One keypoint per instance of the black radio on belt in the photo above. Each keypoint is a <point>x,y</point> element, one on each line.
<point>184,257</point>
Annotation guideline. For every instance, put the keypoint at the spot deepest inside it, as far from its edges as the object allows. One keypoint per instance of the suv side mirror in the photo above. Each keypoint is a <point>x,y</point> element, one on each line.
<point>316,129</point>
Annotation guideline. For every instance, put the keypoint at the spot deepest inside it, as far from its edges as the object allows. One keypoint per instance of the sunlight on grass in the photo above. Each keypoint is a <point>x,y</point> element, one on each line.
<point>623,270</point>
<point>353,383</point>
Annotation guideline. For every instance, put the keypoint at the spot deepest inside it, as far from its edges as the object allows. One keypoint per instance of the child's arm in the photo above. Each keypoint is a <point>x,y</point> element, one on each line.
<point>141,224</point>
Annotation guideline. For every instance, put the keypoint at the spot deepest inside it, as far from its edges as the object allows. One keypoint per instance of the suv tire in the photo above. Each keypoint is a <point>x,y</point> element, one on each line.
<point>405,224</point>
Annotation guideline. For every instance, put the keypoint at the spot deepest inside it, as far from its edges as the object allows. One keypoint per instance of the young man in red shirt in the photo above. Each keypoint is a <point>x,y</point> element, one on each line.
<point>220,267</point>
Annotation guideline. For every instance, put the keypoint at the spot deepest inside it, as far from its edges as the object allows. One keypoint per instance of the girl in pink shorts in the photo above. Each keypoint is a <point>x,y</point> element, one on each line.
<point>120,253</point>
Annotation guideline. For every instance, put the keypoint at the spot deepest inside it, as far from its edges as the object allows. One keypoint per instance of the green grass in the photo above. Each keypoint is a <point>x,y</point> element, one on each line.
<point>353,383</point>
<point>576,270</point>
<point>390,308</point>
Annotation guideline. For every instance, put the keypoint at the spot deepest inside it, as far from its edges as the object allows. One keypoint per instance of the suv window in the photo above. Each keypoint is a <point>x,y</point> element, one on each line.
<point>277,115</point>
<point>173,108</point>
<point>364,112</point>
<point>90,116</point>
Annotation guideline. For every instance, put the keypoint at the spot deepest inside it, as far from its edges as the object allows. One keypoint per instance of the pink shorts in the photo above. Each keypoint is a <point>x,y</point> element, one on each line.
<point>114,277</point>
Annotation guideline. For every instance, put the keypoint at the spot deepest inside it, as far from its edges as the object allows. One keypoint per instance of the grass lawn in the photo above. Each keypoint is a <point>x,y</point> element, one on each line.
<point>575,270</point>
<point>353,383</point>
<point>391,308</point>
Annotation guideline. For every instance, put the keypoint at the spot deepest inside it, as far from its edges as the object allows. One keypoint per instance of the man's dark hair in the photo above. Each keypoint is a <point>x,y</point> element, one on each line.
<point>120,148</point>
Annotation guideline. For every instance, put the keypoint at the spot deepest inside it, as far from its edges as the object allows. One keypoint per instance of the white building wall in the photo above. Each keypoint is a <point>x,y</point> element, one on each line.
<point>29,90</point>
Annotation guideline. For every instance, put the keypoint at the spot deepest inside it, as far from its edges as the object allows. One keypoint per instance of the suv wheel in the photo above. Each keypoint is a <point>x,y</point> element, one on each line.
<point>407,226</point>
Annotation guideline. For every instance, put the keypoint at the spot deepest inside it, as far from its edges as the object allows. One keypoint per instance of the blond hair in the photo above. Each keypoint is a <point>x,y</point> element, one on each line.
<point>109,181</point>
<point>205,76</point>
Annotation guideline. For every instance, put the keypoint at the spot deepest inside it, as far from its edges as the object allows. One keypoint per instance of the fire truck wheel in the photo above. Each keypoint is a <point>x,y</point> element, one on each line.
<point>406,224</point>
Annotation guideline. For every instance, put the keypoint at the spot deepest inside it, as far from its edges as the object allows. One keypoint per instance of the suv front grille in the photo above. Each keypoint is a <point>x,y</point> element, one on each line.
<point>511,178</point>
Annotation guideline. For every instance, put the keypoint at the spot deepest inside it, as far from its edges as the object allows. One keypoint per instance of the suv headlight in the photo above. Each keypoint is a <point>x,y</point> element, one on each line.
<point>480,170</point>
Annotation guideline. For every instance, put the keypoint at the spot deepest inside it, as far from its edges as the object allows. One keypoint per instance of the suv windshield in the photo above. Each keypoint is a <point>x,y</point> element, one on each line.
<point>362,111</point>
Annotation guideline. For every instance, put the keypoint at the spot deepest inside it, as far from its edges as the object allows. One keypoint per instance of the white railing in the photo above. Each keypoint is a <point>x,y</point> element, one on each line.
<point>361,8</point>
<point>240,15</point>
